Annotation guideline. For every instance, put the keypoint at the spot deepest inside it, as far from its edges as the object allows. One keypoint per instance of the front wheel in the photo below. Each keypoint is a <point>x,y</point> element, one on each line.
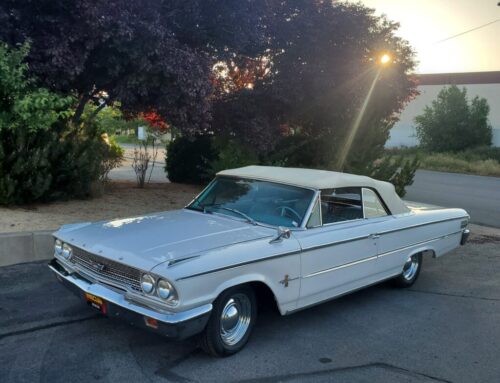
<point>411,270</point>
<point>231,322</point>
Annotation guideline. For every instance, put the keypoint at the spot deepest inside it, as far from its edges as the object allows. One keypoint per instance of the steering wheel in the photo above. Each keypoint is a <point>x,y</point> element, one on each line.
<point>286,209</point>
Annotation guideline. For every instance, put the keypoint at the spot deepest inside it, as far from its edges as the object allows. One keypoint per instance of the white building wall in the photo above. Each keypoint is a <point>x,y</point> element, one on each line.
<point>403,132</point>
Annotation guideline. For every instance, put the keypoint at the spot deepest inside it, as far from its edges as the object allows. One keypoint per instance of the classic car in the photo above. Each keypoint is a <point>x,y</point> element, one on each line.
<point>299,236</point>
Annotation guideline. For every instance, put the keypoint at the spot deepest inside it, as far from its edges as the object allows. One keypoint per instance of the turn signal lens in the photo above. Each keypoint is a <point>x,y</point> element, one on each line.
<point>151,322</point>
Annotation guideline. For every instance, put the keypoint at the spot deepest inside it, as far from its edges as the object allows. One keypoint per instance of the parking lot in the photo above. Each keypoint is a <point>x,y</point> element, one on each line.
<point>446,328</point>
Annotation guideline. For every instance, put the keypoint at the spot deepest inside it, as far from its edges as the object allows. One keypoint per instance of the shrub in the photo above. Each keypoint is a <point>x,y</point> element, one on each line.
<point>452,123</point>
<point>483,160</point>
<point>42,155</point>
<point>44,165</point>
<point>397,170</point>
<point>231,154</point>
<point>188,159</point>
<point>112,156</point>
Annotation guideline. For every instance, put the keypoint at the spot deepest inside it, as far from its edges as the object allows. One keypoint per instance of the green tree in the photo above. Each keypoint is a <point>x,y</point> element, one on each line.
<point>145,54</point>
<point>452,123</point>
<point>324,100</point>
<point>42,155</point>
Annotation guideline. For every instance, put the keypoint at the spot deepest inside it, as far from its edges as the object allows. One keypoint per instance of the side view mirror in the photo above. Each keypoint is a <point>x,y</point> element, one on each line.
<point>283,233</point>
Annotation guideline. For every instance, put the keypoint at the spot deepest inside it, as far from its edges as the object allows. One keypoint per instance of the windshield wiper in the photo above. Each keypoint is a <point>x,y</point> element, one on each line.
<point>248,218</point>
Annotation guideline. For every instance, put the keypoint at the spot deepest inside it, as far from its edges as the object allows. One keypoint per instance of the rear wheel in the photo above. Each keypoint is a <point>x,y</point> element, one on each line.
<point>411,271</point>
<point>231,322</point>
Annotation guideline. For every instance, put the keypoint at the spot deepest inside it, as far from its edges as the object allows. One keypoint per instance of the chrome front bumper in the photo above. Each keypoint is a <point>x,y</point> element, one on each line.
<point>178,325</point>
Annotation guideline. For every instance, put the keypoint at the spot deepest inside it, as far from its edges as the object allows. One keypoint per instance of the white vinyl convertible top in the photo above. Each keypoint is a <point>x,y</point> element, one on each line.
<point>320,179</point>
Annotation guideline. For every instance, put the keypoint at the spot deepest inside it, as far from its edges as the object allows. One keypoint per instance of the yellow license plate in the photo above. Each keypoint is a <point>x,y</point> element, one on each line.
<point>96,302</point>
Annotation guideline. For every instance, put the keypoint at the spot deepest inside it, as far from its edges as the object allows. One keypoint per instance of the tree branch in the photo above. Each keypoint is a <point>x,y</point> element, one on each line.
<point>97,110</point>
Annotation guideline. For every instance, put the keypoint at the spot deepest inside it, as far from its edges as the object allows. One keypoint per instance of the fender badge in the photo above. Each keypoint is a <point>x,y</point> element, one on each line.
<point>285,281</point>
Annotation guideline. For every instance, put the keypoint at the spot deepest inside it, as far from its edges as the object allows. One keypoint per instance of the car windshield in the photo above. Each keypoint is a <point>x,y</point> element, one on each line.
<point>255,201</point>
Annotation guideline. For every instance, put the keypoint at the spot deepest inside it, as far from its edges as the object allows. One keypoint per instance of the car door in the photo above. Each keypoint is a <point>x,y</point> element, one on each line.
<point>339,250</point>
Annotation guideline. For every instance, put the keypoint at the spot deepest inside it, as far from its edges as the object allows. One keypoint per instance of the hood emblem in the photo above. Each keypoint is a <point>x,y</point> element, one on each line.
<point>97,266</point>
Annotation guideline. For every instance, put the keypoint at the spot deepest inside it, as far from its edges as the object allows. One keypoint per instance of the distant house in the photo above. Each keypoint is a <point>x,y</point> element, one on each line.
<point>482,84</point>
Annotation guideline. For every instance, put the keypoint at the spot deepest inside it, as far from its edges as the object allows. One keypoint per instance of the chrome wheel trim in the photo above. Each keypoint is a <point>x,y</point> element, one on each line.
<point>410,268</point>
<point>235,319</point>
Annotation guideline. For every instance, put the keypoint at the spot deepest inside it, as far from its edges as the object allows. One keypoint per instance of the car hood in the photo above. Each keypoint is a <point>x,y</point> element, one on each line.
<point>146,241</point>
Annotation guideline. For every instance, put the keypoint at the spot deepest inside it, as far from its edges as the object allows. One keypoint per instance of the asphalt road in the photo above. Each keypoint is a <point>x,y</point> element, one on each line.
<point>446,328</point>
<point>480,196</point>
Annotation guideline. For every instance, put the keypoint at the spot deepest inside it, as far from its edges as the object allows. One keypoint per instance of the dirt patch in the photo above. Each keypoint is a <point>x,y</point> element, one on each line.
<point>482,239</point>
<point>120,200</point>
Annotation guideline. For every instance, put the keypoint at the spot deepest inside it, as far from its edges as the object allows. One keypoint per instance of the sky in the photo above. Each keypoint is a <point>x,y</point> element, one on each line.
<point>425,22</point>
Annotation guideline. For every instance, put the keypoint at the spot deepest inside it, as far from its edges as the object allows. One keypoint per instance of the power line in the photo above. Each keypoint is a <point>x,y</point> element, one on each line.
<point>468,31</point>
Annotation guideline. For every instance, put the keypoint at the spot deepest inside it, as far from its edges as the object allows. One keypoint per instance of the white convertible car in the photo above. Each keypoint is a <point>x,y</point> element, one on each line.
<point>301,236</point>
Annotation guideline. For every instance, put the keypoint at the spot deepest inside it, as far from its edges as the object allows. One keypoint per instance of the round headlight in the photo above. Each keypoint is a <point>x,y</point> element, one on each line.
<point>147,283</point>
<point>58,247</point>
<point>66,251</point>
<point>164,289</point>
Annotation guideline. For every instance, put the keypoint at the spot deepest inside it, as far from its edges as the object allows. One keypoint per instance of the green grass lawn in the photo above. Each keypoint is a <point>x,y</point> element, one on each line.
<point>483,161</point>
<point>130,139</point>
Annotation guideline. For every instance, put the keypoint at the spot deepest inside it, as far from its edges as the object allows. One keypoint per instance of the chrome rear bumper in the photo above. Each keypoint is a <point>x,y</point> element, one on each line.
<point>465,236</point>
<point>178,325</point>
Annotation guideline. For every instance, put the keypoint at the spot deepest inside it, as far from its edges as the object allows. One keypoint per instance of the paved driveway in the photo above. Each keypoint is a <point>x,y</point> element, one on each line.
<point>480,196</point>
<point>155,174</point>
<point>444,329</point>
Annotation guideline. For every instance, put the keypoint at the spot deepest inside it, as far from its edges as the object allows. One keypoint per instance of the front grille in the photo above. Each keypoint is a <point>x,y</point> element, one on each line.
<point>106,269</point>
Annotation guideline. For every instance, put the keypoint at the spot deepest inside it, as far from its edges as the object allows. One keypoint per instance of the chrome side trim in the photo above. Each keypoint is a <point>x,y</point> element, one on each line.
<point>120,300</point>
<point>342,222</point>
<point>337,243</point>
<point>420,224</point>
<point>315,248</point>
<point>378,233</point>
<point>340,267</point>
<point>239,265</point>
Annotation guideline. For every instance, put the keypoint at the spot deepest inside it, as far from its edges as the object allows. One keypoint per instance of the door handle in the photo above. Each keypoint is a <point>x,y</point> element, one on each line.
<point>375,236</point>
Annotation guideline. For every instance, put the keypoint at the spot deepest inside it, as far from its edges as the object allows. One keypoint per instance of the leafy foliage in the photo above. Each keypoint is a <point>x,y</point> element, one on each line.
<point>481,160</point>
<point>289,82</point>
<point>112,154</point>
<point>42,156</point>
<point>188,159</point>
<point>306,96</point>
<point>396,170</point>
<point>322,63</point>
<point>451,123</point>
<point>231,154</point>
<point>22,105</point>
<point>149,55</point>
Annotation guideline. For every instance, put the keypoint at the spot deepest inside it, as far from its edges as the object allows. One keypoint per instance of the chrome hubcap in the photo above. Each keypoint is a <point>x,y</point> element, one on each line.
<point>235,319</point>
<point>410,268</point>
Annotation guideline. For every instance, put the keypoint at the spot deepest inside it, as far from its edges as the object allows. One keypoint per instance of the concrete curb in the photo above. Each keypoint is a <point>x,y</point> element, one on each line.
<point>22,247</point>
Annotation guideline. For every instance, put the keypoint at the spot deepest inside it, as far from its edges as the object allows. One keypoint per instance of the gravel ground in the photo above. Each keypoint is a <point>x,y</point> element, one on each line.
<point>120,200</point>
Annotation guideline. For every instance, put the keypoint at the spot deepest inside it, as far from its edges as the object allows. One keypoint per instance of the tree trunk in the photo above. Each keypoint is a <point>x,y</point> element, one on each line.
<point>80,108</point>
